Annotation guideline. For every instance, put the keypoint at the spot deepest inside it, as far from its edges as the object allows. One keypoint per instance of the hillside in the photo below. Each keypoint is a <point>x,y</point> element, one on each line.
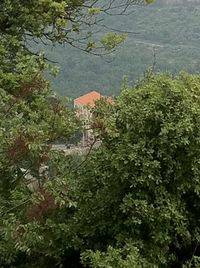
<point>168,29</point>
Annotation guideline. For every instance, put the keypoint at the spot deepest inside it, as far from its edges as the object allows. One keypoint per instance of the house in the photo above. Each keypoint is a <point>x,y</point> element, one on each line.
<point>83,106</point>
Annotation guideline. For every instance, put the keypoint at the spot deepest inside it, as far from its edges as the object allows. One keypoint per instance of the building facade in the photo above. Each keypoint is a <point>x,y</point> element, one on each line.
<point>83,106</point>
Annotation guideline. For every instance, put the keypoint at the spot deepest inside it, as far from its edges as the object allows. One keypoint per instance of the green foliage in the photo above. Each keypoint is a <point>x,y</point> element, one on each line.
<point>149,1</point>
<point>37,184</point>
<point>114,258</point>
<point>142,186</point>
<point>111,40</point>
<point>31,120</point>
<point>134,201</point>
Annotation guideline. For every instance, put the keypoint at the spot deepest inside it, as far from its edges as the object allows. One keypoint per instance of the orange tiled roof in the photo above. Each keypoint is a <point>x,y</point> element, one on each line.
<point>88,99</point>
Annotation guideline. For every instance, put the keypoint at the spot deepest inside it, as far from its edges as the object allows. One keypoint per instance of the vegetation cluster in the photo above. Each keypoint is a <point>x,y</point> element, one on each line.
<point>133,202</point>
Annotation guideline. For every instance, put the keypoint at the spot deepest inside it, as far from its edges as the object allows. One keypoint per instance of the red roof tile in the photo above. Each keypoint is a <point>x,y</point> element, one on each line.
<point>88,99</point>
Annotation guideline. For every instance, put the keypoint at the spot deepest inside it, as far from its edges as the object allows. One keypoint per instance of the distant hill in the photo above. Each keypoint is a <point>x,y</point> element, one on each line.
<point>169,29</point>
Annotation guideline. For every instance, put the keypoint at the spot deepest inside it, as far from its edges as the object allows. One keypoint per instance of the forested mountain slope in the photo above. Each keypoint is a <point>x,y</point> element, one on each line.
<point>166,34</point>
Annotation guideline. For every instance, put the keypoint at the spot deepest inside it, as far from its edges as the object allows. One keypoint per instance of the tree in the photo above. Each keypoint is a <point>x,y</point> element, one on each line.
<point>33,221</point>
<point>58,22</point>
<point>139,194</point>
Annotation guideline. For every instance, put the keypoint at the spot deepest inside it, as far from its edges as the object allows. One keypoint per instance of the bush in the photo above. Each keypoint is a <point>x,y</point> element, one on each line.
<point>142,186</point>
